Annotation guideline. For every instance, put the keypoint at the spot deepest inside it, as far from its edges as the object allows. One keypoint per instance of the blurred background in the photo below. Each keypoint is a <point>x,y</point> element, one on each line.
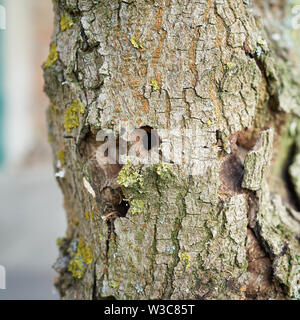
<point>31,205</point>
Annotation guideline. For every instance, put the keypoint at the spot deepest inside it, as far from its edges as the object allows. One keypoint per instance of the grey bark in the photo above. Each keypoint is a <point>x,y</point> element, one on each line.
<point>211,66</point>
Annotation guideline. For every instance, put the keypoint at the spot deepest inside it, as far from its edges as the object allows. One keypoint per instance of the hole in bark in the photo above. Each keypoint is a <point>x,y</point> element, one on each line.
<point>113,201</point>
<point>243,141</point>
<point>101,157</point>
<point>232,175</point>
<point>103,167</point>
<point>123,208</point>
<point>150,139</point>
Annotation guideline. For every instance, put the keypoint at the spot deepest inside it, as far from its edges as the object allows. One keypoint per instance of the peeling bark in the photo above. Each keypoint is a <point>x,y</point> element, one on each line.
<point>142,231</point>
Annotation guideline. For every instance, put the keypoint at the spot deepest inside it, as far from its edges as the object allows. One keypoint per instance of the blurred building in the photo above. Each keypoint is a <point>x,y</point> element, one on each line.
<point>31,205</point>
<point>2,29</point>
<point>24,47</point>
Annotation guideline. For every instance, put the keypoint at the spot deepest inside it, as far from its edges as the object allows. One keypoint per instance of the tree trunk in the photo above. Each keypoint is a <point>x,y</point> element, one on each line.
<point>219,221</point>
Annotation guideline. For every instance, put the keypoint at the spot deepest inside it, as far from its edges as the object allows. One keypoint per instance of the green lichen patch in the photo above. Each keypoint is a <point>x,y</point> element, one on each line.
<point>66,22</point>
<point>163,169</point>
<point>185,259</point>
<point>130,175</point>
<point>114,284</point>
<point>52,58</point>
<point>230,65</point>
<point>71,120</point>
<point>137,206</point>
<point>82,258</point>
<point>163,172</point>
<point>136,42</point>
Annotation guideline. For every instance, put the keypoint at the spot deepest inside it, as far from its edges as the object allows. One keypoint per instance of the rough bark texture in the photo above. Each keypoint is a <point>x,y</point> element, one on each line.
<point>212,66</point>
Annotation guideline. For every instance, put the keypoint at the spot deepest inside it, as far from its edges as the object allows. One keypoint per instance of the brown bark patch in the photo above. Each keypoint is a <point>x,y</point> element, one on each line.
<point>259,270</point>
<point>231,176</point>
<point>247,138</point>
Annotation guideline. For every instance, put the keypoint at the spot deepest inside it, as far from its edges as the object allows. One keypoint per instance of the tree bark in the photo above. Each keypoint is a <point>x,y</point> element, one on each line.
<point>226,80</point>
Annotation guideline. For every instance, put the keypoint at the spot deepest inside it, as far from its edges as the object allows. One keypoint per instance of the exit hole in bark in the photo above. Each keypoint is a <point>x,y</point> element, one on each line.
<point>113,200</point>
<point>123,208</point>
<point>150,139</point>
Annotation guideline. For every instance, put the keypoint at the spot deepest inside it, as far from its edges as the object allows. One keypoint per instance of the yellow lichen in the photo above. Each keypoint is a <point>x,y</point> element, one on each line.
<point>75,221</point>
<point>154,84</point>
<point>71,120</point>
<point>88,216</point>
<point>54,108</point>
<point>261,45</point>
<point>71,115</point>
<point>261,42</point>
<point>136,43</point>
<point>53,56</point>
<point>59,241</point>
<point>61,157</point>
<point>82,258</point>
<point>66,22</point>
<point>114,284</point>
<point>185,259</point>
<point>77,106</point>
<point>230,65</point>
<point>129,176</point>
